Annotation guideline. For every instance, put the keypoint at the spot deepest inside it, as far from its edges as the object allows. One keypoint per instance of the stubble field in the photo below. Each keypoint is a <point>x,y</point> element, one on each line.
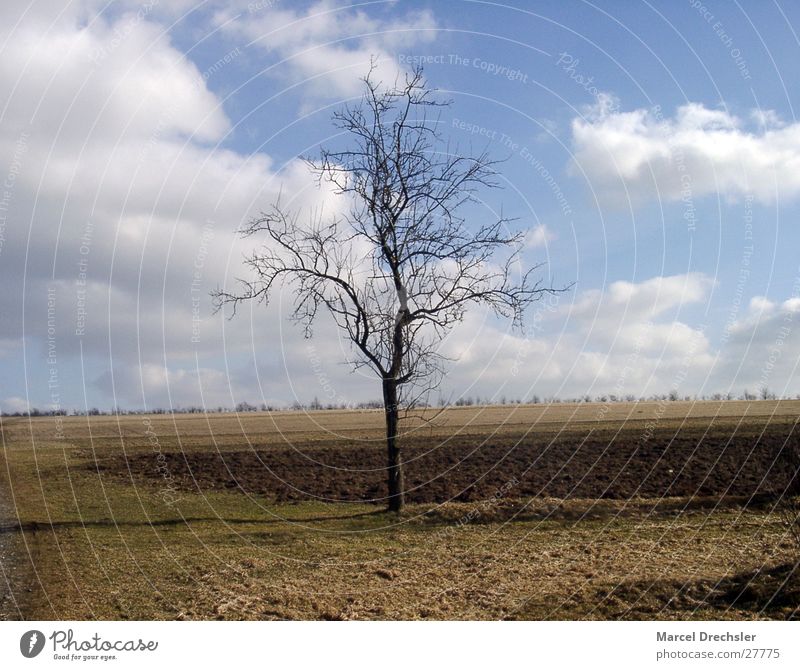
<point>629,510</point>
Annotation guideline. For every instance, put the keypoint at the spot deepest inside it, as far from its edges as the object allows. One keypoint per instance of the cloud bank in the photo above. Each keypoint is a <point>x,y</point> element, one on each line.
<point>644,155</point>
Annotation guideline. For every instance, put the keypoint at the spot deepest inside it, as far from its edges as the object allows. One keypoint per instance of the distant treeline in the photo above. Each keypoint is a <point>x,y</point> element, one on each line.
<point>468,401</point>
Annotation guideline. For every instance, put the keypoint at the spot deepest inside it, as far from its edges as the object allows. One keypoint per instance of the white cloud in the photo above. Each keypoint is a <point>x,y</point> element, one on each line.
<point>114,132</point>
<point>759,304</point>
<point>629,338</point>
<point>122,133</point>
<point>112,82</point>
<point>538,237</point>
<point>640,155</point>
<point>329,45</point>
<point>157,385</point>
<point>763,350</point>
<point>14,404</point>
<point>791,306</point>
<point>767,118</point>
<point>626,339</point>
<point>643,300</point>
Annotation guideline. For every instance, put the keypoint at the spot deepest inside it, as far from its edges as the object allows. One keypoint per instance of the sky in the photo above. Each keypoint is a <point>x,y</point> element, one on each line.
<point>650,153</point>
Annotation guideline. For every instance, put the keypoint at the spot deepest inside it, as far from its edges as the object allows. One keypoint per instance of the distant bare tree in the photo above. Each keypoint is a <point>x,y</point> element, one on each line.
<point>400,269</point>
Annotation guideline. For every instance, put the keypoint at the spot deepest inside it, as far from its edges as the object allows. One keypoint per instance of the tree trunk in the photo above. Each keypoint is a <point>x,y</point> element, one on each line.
<point>394,465</point>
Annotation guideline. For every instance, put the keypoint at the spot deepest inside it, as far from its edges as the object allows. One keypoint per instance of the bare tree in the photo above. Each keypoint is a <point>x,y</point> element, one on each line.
<point>400,268</point>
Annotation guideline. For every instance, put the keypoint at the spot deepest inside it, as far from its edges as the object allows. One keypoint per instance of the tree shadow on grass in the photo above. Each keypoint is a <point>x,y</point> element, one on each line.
<point>772,592</point>
<point>575,511</point>
<point>36,526</point>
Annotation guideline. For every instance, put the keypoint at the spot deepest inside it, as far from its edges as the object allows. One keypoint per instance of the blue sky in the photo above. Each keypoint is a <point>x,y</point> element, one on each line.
<point>652,155</point>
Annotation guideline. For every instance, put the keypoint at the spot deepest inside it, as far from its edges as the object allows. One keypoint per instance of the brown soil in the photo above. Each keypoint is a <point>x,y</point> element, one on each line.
<point>742,462</point>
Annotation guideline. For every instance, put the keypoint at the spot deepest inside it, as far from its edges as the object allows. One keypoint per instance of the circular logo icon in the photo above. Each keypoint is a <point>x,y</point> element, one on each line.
<point>31,643</point>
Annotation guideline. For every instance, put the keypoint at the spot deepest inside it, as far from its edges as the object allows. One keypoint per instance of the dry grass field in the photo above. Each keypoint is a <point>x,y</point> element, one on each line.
<point>588,511</point>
